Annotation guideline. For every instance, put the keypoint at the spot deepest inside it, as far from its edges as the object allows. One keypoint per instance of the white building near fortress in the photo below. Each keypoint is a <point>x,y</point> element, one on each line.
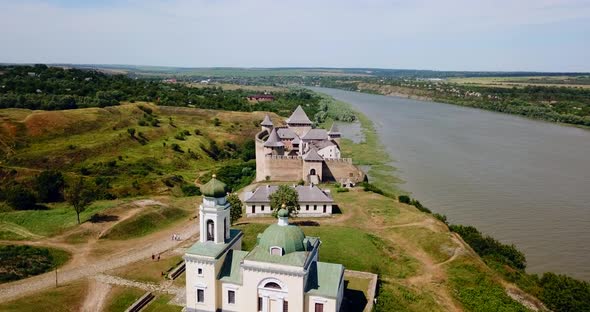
<point>313,201</point>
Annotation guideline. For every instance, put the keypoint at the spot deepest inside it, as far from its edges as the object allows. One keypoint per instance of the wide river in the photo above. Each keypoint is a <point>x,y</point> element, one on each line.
<point>522,181</point>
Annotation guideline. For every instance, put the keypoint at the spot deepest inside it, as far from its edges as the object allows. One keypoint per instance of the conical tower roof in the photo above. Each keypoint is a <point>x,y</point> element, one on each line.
<point>273,139</point>
<point>266,122</point>
<point>299,117</point>
<point>312,155</point>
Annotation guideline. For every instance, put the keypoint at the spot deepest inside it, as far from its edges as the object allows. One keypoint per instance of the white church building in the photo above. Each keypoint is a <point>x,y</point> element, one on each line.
<point>281,273</point>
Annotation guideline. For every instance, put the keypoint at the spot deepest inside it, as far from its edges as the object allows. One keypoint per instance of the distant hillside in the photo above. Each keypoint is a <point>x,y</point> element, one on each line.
<point>168,147</point>
<point>57,88</point>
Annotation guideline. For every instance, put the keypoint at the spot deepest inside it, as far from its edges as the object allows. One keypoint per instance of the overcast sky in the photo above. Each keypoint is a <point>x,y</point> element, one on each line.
<point>504,35</point>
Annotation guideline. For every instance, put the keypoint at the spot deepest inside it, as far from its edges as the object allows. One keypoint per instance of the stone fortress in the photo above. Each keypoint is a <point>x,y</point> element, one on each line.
<point>300,152</point>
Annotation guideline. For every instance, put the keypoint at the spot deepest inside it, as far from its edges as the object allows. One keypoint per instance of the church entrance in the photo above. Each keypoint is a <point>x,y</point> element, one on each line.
<point>312,171</point>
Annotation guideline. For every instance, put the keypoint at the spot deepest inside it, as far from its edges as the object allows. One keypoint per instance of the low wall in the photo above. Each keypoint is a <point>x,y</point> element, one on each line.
<point>342,170</point>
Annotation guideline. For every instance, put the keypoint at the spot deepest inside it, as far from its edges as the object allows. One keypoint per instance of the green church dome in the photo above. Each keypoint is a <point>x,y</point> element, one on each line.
<point>283,213</point>
<point>214,188</point>
<point>288,237</point>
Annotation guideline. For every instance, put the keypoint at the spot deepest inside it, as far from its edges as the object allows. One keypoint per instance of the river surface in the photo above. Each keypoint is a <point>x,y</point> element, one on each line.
<point>522,181</point>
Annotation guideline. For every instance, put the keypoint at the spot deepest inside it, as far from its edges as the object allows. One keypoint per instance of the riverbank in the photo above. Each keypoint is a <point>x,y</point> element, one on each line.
<point>505,260</point>
<point>552,104</point>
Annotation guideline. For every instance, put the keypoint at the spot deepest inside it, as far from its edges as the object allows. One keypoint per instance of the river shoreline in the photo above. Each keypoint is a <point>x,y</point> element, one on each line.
<point>513,229</point>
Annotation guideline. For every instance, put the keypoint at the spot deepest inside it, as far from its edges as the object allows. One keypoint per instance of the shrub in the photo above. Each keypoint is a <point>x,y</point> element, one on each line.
<point>564,293</point>
<point>197,131</point>
<point>368,187</point>
<point>301,182</point>
<point>342,190</point>
<point>417,204</point>
<point>176,148</point>
<point>20,198</point>
<point>404,199</point>
<point>490,248</point>
<point>190,190</point>
<point>146,110</point>
<point>441,217</point>
<point>216,122</point>
<point>49,186</point>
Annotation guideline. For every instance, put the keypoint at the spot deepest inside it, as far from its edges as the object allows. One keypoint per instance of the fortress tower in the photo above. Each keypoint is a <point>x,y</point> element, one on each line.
<point>299,122</point>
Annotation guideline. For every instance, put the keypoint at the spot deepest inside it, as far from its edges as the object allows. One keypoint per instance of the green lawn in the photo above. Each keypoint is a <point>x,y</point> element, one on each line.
<point>148,270</point>
<point>438,245</point>
<point>474,286</point>
<point>364,251</point>
<point>120,298</point>
<point>160,304</point>
<point>65,298</point>
<point>53,221</point>
<point>151,220</point>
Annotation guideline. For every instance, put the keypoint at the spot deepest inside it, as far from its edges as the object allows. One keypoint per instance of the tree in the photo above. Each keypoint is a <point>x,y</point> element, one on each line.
<point>131,132</point>
<point>285,195</point>
<point>236,207</point>
<point>20,198</point>
<point>79,195</point>
<point>49,186</point>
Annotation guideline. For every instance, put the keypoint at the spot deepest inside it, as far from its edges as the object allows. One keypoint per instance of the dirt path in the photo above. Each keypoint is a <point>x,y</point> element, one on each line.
<point>96,296</point>
<point>126,252</point>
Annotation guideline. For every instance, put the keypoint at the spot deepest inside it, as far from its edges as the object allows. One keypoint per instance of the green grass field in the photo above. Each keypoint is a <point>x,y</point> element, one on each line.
<point>148,270</point>
<point>95,142</point>
<point>541,81</point>
<point>120,298</point>
<point>53,221</point>
<point>65,298</point>
<point>151,220</point>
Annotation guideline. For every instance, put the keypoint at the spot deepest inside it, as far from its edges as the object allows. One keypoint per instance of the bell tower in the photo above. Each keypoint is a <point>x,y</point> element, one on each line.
<point>214,213</point>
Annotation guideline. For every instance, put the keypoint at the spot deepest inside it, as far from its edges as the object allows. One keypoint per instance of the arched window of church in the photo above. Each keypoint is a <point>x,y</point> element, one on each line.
<point>276,251</point>
<point>210,230</point>
<point>272,285</point>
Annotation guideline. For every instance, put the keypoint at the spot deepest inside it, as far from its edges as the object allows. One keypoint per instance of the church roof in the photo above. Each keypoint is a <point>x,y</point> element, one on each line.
<point>288,237</point>
<point>297,258</point>
<point>273,140</point>
<point>213,250</point>
<point>230,271</point>
<point>266,121</point>
<point>214,188</point>
<point>312,155</point>
<point>316,134</point>
<point>286,133</point>
<point>306,194</point>
<point>324,279</point>
<point>299,117</point>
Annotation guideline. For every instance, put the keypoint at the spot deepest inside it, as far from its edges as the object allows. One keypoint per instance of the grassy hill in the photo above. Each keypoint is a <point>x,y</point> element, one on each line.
<point>170,146</point>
